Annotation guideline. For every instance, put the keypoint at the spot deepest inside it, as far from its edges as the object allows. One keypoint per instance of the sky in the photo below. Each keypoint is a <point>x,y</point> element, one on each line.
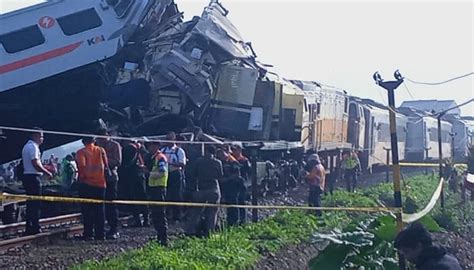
<point>342,43</point>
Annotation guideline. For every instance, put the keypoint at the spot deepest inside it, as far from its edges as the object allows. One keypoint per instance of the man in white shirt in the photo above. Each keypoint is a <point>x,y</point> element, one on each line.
<point>33,170</point>
<point>176,161</point>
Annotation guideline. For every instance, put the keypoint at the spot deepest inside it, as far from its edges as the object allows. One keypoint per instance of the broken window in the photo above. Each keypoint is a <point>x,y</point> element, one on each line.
<point>79,22</point>
<point>121,7</point>
<point>22,39</point>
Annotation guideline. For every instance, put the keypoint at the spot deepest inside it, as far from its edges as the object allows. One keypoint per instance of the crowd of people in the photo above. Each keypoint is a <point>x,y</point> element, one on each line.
<point>105,169</point>
<point>142,170</point>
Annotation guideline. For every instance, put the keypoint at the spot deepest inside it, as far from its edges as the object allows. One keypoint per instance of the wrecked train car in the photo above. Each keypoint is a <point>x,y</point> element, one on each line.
<point>144,71</point>
<point>56,60</point>
<point>201,69</point>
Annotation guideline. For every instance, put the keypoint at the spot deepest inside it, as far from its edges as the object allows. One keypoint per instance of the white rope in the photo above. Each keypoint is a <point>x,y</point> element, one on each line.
<point>75,134</point>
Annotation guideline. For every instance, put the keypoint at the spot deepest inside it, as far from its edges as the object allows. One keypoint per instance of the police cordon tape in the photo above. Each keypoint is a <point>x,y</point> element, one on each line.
<point>414,164</point>
<point>8,196</point>
<point>408,218</point>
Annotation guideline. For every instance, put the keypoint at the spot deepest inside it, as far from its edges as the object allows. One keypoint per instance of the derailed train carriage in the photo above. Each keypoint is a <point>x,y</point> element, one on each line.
<point>53,62</point>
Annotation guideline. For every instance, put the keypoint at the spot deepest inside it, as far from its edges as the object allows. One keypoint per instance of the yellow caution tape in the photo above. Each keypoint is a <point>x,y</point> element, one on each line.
<point>407,164</point>
<point>188,204</point>
<point>408,218</point>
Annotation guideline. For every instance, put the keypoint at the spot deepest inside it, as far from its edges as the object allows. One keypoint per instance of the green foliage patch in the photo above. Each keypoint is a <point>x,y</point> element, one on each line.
<point>364,237</point>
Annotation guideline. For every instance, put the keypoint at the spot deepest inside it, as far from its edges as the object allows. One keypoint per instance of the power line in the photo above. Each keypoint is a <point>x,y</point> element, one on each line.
<point>408,90</point>
<point>382,97</point>
<point>443,82</point>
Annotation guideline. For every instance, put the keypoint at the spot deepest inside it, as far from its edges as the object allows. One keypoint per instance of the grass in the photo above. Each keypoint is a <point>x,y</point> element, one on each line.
<point>241,247</point>
<point>234,248</point>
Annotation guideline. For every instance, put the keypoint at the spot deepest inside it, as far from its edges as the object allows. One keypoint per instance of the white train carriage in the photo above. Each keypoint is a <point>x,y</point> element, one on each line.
<point>422,139</point>
<point>55,36</point>
<point>461,137</point>
<point>369,132</point>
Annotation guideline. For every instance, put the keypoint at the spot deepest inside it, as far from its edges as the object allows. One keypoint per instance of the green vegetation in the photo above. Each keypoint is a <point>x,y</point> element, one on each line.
<point>234,248</point>
<point>364,235</point>
<point>368,241</point>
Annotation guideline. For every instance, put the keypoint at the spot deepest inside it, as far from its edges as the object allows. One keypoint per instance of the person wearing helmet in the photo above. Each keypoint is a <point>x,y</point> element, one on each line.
<point>316,179</point>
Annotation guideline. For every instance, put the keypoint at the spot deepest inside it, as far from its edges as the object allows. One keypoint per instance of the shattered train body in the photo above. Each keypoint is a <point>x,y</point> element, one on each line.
<point>145,71</point>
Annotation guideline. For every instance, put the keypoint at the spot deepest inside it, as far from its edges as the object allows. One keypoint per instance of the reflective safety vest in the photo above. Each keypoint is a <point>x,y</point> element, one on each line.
<point>159,172</point>
<point>351,163</point>
<point>92,162</point>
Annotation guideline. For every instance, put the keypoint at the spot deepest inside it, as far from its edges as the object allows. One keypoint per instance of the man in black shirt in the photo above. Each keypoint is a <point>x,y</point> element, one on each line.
<point>415,243</point>
<point>208,173</point>
<point>232,188</point>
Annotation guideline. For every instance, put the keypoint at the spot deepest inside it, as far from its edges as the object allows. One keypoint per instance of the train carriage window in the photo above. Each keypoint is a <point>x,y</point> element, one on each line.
<point>79,22</point>
<point>401,134</point>
<point>121,7</point>
<point>22,39</point>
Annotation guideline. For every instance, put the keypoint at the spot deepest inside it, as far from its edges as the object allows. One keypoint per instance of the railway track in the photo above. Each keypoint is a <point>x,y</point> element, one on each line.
<point>60,226</point>
<point>64,226</point>
<point>16,229</point>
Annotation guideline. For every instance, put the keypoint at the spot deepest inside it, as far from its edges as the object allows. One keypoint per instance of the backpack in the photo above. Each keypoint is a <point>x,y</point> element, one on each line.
<point>19,170</point>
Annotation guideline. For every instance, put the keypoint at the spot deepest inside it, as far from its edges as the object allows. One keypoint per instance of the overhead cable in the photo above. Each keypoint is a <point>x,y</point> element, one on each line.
<point>443,82</point>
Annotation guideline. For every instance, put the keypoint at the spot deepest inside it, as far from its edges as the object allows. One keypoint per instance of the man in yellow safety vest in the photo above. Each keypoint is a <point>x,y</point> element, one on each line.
<point>157,183</point>
<point>351,168</point>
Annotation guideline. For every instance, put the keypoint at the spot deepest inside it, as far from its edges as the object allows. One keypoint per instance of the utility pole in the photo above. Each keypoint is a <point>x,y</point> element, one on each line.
<point>254,148</point>
<point>452,134</point>
<point>387,161</point>
<point>440,154</point>
<point>439,115</point>
<point>390,86</point>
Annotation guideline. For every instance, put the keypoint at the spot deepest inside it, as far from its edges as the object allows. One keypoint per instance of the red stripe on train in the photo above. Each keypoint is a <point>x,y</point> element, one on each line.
<point>39,58</point>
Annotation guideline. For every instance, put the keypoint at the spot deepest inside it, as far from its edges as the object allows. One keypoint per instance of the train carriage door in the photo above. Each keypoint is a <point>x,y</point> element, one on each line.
<point>356,125</point>
<point>353,132</point>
